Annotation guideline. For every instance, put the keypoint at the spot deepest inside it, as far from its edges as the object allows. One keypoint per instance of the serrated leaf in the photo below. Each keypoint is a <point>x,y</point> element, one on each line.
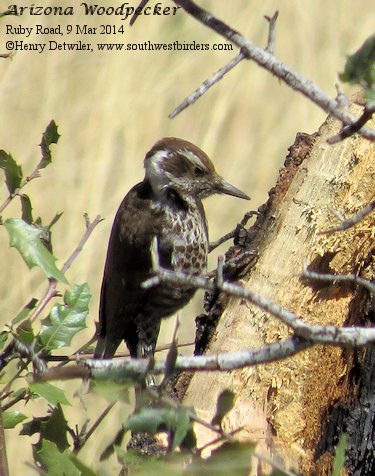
<point>56,429</point>
<point>52,427</point>
<point>65,321</point>
<point>33,426</point>
<point>13,171</point>
<point>224,404</point>
<point>26,239</point>
<point>11,419</point>
<point>360,66</point>
<point>55,462</point>
<point>339,460</point>
<point>50,136</point>
<point>52,394</point>
<point>27,209</point>
<point>25,311</point>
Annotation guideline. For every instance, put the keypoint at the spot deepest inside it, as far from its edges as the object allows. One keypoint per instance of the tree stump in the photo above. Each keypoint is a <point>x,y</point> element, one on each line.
<point>297,408</point>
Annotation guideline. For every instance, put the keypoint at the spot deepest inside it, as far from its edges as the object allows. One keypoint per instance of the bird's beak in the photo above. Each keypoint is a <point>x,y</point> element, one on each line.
<point>223,186</point>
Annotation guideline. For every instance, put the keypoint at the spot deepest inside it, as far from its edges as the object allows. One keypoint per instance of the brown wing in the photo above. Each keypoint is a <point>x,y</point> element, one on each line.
<point>127,265</point>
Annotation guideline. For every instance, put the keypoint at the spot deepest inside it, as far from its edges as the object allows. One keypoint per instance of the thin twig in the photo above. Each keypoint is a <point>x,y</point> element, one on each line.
<point>233,233</point>
<point>89,229</point>
<point>34,174</point>
<point>206,85</point>
<point>352,129</point>
<point>347,278</point>
<point>81,441</point>
<point>89,355</point>
<point>350,222</point>
<point>7,201</point>
<point>269,62</point>
<point>271,32</point>
<point>18,398</point>
<point>219,439</point>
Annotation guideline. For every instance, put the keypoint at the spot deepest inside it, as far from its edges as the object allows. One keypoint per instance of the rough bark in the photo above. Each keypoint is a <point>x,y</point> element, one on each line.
<point>296,409</point>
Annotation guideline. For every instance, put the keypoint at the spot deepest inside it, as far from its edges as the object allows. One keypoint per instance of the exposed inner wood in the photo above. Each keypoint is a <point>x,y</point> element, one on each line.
<point>285,406</point>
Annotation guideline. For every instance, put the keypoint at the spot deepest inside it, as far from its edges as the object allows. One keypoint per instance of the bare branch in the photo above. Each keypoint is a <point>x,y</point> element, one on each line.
<point>333,335</point>
<point>349,222</point>
<point>269,62</point>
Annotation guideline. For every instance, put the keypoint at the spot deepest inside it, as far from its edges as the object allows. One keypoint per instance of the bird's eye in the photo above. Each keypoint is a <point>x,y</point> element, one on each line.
<point>198,171</point>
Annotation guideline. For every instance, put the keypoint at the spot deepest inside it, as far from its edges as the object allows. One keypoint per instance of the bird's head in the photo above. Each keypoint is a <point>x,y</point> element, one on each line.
<point>179,165</point>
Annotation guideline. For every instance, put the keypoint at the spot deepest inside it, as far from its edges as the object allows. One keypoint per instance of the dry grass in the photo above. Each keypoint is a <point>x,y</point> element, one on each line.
<point>111,107</point>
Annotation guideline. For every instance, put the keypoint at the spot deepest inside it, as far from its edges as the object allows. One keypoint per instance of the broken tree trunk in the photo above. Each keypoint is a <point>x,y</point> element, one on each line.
<point>297,408</point>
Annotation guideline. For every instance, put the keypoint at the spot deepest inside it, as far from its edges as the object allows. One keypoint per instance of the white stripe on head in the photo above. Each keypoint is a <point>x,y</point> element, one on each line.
<point>155,173</point>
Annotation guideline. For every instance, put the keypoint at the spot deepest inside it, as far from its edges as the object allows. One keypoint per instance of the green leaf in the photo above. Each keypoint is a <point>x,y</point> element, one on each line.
<point>175,421</point>
<point>183,425</point>
<point>55,462</point>
<point>25,311</point>
<point>27,213</point>
<point>52,394</point>
<point>50,136</point>
<point>13,171</point>
<point>170,362</point>
<point>224,405</point>
<point>65,321</point>
<point>33,426</point>
<point>111,391</point>
<point>360,66</point>
<point>84,470</point>
<point>339,460</point>
<point>11,419</point>
<point>135,463</point>
<point>52,427</point>
<point>25,332</point>
<point>3,338</point>
<point>26,238</point>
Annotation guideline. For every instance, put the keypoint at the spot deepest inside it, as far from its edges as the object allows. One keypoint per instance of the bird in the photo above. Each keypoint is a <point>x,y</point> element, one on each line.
<point>166,205</point>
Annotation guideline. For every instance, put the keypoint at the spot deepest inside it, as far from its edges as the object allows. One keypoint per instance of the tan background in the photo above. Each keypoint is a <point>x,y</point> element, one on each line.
<point>111,107</point>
